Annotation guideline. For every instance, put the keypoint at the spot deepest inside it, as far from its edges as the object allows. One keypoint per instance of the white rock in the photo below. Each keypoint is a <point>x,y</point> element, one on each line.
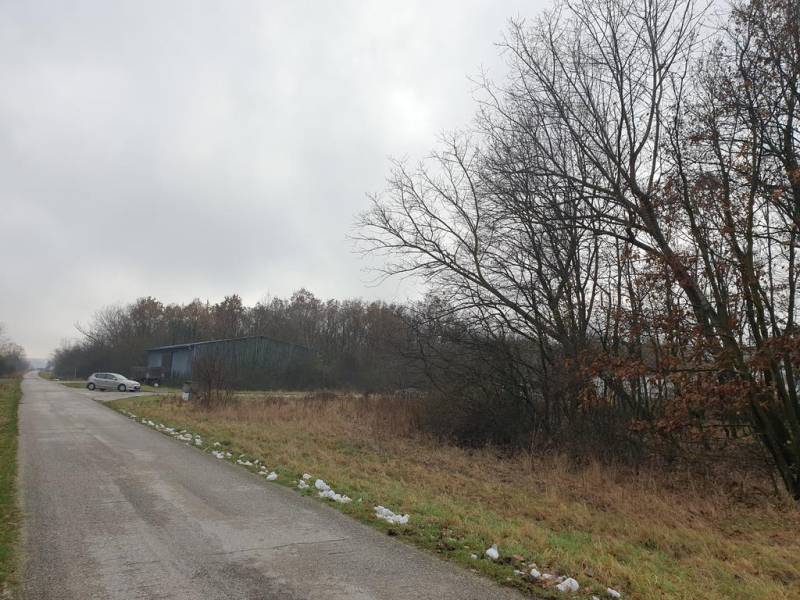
<point>492,552</point>
<point>302,485</point>
<point>535,574</point>
<point>568,585</point>
<point>321,485</point>
<point>473,556</point>
<point>306,476</point>
<point>272,476</point>
<point>613,593</point>
<point>331,495</point>
<point>390,517</point>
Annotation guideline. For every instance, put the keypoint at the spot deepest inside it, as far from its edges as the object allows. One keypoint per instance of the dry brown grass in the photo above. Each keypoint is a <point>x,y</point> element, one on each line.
<point>647,533</point>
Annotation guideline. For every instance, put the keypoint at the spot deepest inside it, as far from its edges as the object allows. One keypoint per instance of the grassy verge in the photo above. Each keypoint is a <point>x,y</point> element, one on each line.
<point>647,536</point>
<point>9,513</point>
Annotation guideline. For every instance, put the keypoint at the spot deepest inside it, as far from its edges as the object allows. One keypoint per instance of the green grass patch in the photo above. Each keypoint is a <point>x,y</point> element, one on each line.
<point>9,511</point>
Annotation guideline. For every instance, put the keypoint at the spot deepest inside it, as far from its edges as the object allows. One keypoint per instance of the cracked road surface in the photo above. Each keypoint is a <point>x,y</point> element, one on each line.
<point>114,509</point>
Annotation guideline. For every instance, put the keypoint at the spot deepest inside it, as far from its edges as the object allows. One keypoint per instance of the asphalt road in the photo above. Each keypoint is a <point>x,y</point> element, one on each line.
<point>116,510</point>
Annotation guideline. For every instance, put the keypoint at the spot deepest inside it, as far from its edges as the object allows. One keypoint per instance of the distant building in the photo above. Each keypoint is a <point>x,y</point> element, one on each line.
<point>256,361</point>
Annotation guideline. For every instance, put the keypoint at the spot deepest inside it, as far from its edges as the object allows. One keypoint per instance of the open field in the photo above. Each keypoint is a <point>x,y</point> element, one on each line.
<point>648,536</point>
<point>9,514</point>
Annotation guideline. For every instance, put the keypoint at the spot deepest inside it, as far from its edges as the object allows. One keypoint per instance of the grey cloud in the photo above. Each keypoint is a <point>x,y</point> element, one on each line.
<point>196,149</point>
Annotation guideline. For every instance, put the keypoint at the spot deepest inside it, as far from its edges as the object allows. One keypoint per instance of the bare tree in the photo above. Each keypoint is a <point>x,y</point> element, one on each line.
<point>629,192</point>
<point>12,356</point>
<point>212,378</point>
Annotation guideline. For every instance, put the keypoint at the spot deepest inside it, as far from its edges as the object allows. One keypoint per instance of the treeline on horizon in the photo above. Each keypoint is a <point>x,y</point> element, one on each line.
<point>359,345</point>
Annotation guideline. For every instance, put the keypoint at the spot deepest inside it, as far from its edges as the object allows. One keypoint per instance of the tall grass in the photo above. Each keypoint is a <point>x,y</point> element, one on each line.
<point>401,418</point>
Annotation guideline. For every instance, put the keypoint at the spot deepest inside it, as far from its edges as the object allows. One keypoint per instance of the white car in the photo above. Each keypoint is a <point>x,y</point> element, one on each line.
<point>112,381</point>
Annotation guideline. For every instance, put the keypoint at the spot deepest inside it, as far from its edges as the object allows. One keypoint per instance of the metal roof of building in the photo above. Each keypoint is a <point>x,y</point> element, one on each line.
<point>238,339</point>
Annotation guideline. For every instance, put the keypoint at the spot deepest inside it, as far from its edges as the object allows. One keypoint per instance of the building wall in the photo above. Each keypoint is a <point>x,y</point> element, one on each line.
<point>259,363</point>
<point>182,363</point>
<point>255,363</point>
<point>154,359</point>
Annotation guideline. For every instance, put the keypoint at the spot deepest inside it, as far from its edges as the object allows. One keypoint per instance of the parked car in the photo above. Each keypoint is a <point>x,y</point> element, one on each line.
<point>112,381</point>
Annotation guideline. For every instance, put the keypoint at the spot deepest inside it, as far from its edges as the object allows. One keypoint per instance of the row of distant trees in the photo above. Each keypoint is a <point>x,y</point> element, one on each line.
<point>617,236</point>
<point>12,356</point>
<point>360,344</point>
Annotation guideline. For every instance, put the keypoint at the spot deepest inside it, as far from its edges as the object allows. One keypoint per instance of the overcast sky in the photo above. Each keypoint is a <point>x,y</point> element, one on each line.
<point>198,149</point>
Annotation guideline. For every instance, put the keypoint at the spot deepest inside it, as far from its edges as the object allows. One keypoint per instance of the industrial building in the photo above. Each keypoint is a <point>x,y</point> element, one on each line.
<point>254,362</point>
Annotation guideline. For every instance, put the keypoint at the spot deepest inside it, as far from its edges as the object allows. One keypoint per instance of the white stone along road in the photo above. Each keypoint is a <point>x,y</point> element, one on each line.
<point>115,510</point>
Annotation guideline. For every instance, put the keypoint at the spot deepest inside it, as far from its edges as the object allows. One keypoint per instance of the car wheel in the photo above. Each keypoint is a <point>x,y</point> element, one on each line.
<point>121,387</point>
<point>90,385</point>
